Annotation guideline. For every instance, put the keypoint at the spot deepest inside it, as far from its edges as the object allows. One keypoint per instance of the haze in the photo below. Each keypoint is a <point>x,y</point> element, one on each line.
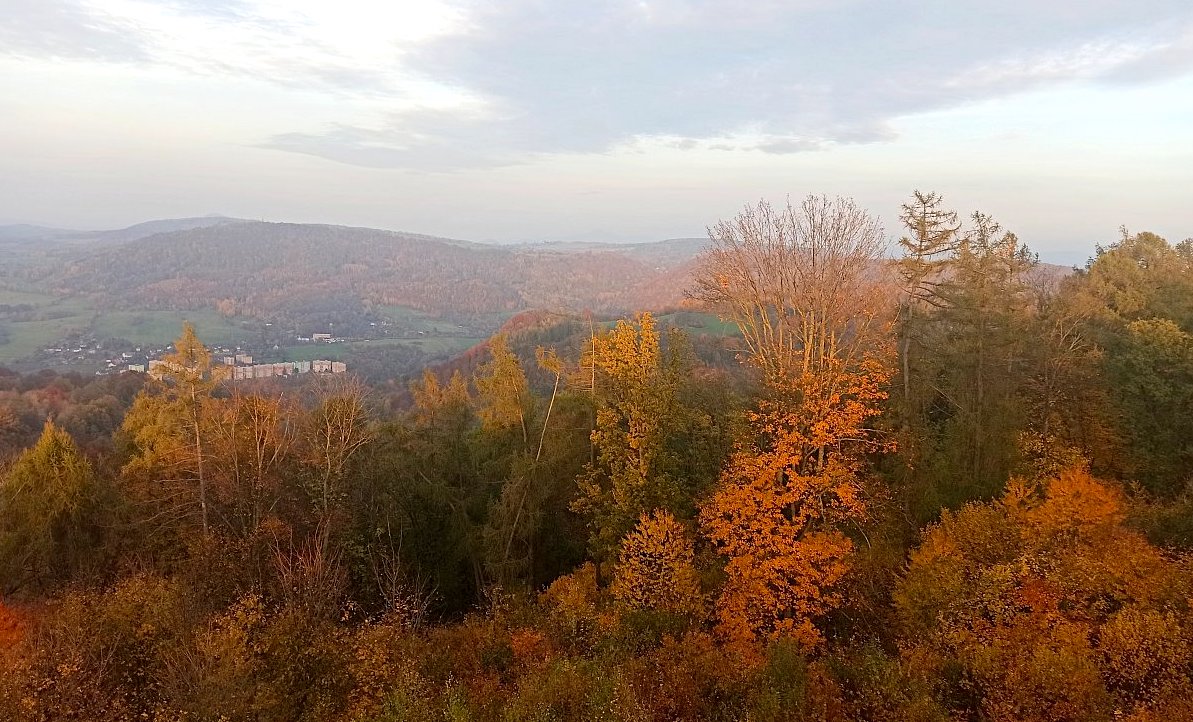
<point>523,120</point>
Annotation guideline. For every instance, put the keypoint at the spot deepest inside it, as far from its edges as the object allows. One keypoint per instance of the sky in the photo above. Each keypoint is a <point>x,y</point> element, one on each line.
<point>624,120</point>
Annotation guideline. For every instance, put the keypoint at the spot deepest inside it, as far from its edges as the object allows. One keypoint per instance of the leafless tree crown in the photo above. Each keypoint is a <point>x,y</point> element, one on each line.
<point>804,283</point>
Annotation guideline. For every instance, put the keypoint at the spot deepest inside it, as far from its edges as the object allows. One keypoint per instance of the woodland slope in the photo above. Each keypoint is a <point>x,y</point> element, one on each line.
<point>255,268</point>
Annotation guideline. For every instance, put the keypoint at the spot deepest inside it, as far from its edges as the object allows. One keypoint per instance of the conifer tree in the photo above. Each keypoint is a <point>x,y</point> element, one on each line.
<point>168,467</point>
<point>47,501</point>
<point>932,238</point>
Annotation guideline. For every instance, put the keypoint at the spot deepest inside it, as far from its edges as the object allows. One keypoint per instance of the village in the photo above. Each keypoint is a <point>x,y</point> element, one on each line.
<point>235,365</point>
<point>236,362</point>
<point>242,367</point>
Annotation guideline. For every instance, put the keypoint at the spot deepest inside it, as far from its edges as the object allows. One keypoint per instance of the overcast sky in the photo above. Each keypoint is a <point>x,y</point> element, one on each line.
<point>622,120</point>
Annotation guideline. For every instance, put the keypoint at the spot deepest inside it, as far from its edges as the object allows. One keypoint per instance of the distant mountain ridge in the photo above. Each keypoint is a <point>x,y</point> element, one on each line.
<point>169,225</point>
<point>24,232</point>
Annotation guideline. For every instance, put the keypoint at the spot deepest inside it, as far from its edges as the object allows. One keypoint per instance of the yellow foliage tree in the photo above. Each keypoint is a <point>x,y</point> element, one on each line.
<point>504,393</point>
<point>169,467</point>
<point>655,570</point>
<point>433,401</point>
<point>47,498</point>
<point>639,418</point>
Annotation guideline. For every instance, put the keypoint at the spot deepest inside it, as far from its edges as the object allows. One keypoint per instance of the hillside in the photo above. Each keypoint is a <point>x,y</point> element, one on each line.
<point>279,270</point>
<point>658,254</point>
<point>267,269</point>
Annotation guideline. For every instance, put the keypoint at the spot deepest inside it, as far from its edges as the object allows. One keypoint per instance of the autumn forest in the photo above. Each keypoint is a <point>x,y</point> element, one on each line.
<point>914,479</point>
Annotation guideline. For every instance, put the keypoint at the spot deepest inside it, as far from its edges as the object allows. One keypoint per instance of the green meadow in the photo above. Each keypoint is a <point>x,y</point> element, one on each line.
<point>42,321</point>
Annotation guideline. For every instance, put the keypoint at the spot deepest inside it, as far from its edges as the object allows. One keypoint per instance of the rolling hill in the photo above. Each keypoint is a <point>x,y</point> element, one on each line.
<point>266,269</point>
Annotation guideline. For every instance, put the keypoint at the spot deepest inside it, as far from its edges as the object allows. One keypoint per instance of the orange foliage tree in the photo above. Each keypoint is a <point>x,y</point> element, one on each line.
<point>1049,608</point>
<point>782,498</point>
<point>803,285</point>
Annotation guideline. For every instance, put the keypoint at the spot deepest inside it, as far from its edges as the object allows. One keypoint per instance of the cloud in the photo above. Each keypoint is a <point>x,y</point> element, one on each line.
<point>1170,59</point>
<point>796,76</point>
<point>791,145</point>
<point>228,9</point>
<point>451,144</point>
<point>481,84</point>
<point>347,48</point>
<point>66,29</point>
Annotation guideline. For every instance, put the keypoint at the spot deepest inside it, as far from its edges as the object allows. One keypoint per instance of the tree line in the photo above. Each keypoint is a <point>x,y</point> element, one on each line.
<point>939,486</point>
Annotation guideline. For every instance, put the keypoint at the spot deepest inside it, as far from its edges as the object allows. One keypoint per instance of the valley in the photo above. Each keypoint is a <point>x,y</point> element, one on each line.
<point>97,302</point>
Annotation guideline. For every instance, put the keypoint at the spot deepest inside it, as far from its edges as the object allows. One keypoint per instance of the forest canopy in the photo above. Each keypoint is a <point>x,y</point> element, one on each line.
<point>922,480</point>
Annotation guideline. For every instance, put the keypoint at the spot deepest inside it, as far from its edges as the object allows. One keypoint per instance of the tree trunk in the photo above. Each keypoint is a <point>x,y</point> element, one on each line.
<point>199,460</point>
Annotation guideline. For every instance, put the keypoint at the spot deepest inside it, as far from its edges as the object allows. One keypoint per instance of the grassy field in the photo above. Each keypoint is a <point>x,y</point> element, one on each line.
<point>313,351</point>
<point>160,327</point>
<point>409,318</point>
<point>445,344</point>
<point>55,318</point>
<point>696,322</point>
<point>47,321</point>
<point>51,320</point>
<point>27,338</point>
<point>15,297</point>
<point>24,334</point>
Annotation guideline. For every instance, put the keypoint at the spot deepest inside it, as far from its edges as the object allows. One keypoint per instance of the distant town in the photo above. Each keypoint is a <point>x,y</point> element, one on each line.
<point>243,368</point>
<point>240,364</point>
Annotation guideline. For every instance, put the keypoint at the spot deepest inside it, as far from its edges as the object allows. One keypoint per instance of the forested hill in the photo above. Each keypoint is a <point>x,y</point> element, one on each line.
<point>260,268</point>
